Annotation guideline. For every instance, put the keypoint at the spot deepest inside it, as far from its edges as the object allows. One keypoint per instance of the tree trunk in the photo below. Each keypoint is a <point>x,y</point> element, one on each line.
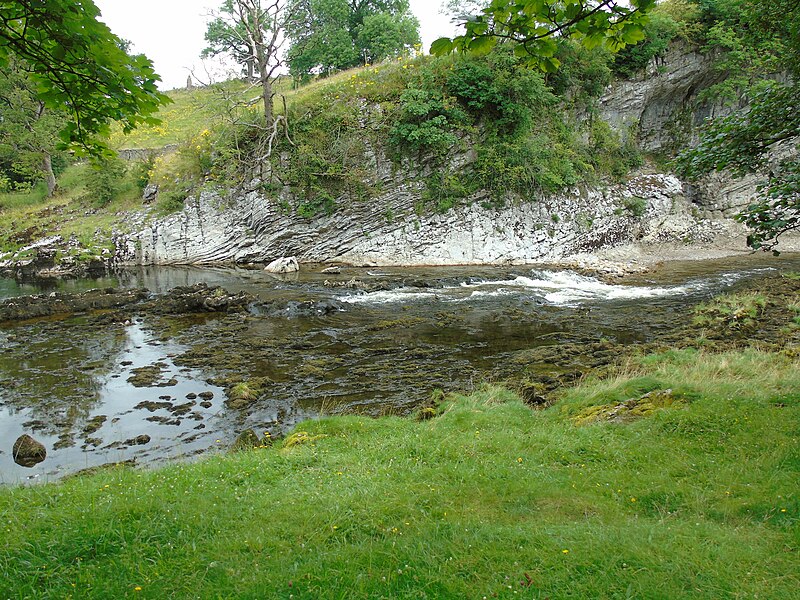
<point>251,73</point>
<point>266,93</point>
<point>49,176</point>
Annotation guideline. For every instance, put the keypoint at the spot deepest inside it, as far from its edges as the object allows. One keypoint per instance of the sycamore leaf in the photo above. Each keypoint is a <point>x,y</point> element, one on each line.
<point>441,46</point>
<point>549,65</point>
<point>632,33</point>
<point>482,45</point>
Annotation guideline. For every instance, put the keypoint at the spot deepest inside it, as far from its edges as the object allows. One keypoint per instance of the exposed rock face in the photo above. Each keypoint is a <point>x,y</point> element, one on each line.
<point>27,452</point>
<point>149,193</point>
<point>660,106</point>
<point>256,228</point>
<point>41,259</point>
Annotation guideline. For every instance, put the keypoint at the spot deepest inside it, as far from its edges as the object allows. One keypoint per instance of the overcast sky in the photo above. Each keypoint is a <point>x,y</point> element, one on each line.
<point>170,32</point>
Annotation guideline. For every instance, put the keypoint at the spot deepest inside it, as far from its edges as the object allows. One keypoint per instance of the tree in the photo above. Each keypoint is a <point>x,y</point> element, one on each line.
<point>225,35</point>
<point>536,24</point>
<point>28,129</point>
<point>754,37</point>
<point>260,25</point>
<point>331,35</point>
<point>463,9</point>
<point>79,66</point>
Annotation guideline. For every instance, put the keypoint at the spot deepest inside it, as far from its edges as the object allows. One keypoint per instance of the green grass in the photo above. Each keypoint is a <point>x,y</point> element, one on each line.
<point>731,310</point>
<point>26,217</point>
<point>488,499</point>
<point>192,111</point>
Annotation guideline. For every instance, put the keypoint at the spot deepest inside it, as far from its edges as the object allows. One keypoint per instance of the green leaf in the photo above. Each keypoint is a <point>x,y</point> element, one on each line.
<point>632,33</point>
<point>441,46</point>
<point>549,65</point>
<point>482,45</point>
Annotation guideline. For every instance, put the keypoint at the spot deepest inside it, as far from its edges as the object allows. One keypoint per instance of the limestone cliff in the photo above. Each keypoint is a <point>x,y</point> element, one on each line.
<point>659,108</point>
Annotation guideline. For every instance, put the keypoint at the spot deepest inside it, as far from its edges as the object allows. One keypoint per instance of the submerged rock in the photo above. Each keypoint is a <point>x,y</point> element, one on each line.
<point>31,307</point>
<point>93,424</point>
<point>101,468</point>
<point>150,376</point>
<point>27,452</point>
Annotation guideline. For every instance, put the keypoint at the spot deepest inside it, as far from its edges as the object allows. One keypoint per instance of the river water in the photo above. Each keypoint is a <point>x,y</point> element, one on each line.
<point>312,347</point>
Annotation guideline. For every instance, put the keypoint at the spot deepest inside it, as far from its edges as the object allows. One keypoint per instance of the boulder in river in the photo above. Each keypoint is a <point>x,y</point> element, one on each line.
<point>27,452</point>
<point>287,264</point>
<point>199,298</point>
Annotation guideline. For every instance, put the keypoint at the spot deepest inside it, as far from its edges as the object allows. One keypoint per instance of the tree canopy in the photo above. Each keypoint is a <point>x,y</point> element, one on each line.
<point>330,35</point>
<point>754,39</point>
<point>28,131</point>
<point>77,65</point>
<point>536,26</point>
<point>227,35</point>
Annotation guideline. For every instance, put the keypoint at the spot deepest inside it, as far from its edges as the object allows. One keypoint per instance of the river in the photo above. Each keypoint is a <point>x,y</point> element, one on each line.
<point>309,348</point>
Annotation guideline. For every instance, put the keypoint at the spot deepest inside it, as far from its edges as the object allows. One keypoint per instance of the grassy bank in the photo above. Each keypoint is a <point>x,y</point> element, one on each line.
<point>26,217</point>
<point>659,494</point>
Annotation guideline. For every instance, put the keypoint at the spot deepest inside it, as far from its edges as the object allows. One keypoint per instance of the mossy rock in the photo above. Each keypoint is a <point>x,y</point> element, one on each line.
<point>249,440</point>
<point>150,376</point>
<point>301,437</point>
<point>533,393</point>
<point>629,410</point>
<point>731,311</point>
<point>245,393</point>
<point>426,413</point>
<point>27,452</point>
<point>94,424</point>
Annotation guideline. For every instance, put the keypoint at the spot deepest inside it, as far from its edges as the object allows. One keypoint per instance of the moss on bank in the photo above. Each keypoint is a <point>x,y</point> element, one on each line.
<point>490,498</point>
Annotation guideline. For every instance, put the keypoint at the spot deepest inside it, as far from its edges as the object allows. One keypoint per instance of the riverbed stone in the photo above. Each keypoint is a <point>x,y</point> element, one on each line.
<point>27,452</point>
<point>147,376</point>
<point>45,305</point>
<point>287,264</point>
<point>93,424</point>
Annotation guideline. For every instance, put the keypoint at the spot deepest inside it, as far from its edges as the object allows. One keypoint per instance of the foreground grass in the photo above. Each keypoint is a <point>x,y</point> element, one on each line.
<point>488,499</point>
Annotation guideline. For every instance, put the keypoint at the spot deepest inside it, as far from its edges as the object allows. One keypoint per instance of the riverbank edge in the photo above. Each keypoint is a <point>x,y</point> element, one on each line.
<point>616,261</point>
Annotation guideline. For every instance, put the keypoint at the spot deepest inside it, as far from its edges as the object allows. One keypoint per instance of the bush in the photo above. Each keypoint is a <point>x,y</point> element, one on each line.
<point>105,180</point>
<point>428,122</point>
<point>609,154</point>
<point>660,31</point>
<point>142,171</point>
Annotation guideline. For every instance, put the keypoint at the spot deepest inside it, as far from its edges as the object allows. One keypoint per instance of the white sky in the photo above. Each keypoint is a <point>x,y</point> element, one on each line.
<point>170,32</point>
